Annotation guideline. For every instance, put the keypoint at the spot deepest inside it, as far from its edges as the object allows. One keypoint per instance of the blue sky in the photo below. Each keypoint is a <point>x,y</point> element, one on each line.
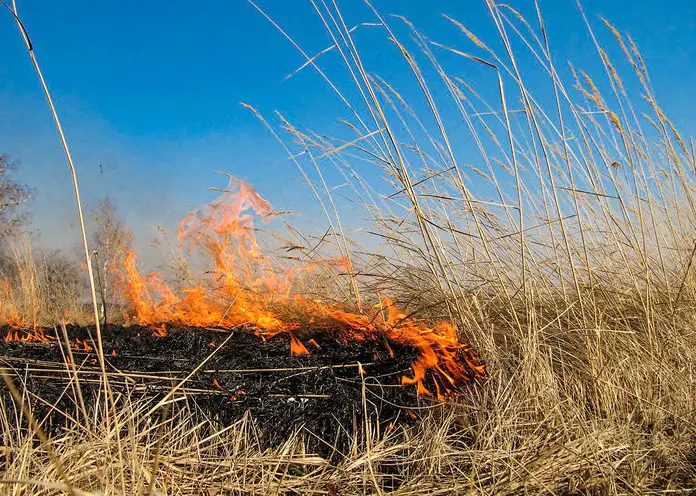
<point>150,91</point>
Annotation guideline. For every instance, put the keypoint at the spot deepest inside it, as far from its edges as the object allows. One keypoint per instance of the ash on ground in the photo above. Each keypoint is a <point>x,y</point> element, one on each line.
<point>325,393</point>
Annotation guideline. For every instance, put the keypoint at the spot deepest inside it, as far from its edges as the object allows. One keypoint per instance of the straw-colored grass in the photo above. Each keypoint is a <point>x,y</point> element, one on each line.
<point>563,249</point>
<point>38,286</point>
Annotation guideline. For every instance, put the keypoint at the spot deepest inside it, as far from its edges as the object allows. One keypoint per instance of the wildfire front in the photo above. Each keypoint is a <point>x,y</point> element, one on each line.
<point>267,348</point>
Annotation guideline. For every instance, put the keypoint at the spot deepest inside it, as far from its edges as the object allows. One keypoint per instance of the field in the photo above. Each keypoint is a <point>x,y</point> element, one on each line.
<point>520,321</point>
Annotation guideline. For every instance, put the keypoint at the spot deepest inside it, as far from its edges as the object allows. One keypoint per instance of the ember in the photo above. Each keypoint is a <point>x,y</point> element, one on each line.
<point>244,288</point>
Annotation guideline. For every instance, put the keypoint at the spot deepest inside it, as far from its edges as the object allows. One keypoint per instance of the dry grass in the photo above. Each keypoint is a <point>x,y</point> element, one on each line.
<point>564,253</point>
<point>37,286</point>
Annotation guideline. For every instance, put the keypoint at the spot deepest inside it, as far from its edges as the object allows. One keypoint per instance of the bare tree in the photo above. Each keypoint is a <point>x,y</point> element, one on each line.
<point>108,242</point>
<point>12,196</point>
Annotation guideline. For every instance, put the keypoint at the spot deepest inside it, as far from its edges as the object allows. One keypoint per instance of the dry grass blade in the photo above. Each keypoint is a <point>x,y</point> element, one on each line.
<point>35,428</point>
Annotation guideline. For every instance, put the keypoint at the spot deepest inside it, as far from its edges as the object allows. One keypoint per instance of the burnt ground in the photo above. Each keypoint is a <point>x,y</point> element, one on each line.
<point>321,392</point>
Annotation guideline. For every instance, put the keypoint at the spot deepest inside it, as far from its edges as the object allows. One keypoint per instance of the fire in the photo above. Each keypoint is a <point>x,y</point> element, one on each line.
<point>244,288</point>
<point>80,345</point>
<point>9,314</point>
<point>296,346</point>
<point>160,331</point>
<point>38,335</point>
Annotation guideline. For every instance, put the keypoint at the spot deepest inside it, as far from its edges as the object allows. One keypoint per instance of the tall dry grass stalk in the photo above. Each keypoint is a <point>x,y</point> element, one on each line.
<point>76,191</point>
<point>563,250</point>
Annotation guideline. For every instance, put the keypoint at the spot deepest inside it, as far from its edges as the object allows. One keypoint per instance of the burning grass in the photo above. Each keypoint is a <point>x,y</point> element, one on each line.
<point>243,288</point>
<point>566,260</point>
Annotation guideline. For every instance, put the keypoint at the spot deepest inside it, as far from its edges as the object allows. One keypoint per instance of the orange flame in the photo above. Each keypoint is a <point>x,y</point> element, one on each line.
<point>80,345</point>
<point>38,335</point>
<point>160,331</point>
<point>296,346</point>
<point>243,287</point>
<point>9,314</point>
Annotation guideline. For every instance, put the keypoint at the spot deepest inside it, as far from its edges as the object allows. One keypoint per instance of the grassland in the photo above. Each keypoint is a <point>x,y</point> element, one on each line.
<point>564,254</point>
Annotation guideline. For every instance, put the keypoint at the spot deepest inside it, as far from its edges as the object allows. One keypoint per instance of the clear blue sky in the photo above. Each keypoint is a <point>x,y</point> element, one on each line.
<point>151,90</point>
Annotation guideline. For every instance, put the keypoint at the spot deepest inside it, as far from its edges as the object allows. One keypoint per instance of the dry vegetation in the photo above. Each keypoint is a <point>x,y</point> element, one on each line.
<point>564,255</point>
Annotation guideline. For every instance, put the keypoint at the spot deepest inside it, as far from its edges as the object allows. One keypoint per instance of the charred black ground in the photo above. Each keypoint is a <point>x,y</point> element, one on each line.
<point>321,392</point>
